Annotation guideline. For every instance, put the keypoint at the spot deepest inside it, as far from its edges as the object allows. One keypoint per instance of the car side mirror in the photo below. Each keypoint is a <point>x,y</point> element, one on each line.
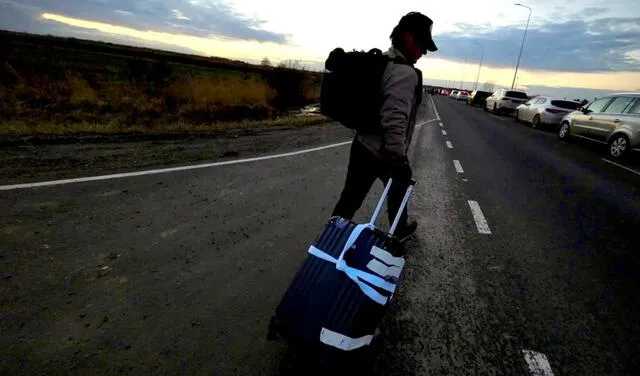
<point>584,110</point>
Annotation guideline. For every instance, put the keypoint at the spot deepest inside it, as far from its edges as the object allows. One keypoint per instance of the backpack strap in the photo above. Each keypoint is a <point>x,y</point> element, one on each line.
<point>418,91</point>
<point>419,87</point>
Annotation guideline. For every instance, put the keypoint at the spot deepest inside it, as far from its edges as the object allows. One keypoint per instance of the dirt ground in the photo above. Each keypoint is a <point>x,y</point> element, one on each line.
<point>30,160</point>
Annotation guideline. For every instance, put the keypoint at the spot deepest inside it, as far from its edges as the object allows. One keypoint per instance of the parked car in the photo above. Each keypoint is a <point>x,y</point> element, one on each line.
<point>462,96</point>
<point>613,119</point>
<point>543,110</point>
<point>477,97</point>
<point>444,92</point>
<point>453,94</point>
<point>505,101</point>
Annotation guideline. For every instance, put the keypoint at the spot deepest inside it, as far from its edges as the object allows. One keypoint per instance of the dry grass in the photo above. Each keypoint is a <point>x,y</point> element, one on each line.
<point>79,91</point>
<point>19,128</point>
<point>46,90</point>
<point>206,92</point>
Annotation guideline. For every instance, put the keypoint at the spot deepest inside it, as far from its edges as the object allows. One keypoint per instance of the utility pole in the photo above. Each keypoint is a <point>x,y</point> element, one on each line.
<point>475,86</point>
<point>522,45</point>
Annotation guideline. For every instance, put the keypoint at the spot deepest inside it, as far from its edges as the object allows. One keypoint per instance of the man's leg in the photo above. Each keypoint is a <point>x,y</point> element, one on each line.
<point>360,178</point>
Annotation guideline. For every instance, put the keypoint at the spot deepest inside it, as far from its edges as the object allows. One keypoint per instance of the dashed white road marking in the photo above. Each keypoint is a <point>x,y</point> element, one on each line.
<point>429,121</point>
<point>441,126</point>
<point>496,117</point>
<point>449,145</point>
<point>621,166</point>
<point>444,132</point>
<point>481,222</point>
<point>458,166</point>
<point>434,107</point>
<point>538,363</point>
<point>165,170</point>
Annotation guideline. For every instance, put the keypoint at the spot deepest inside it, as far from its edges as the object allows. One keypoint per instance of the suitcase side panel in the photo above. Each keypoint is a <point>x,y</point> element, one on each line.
<point>314,286</point>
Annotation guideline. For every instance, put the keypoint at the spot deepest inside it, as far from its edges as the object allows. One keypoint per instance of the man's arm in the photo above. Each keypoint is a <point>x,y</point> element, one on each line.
<point>398,91</point>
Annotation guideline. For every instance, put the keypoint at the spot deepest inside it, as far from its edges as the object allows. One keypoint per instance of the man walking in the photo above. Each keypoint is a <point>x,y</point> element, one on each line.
<point>384,154</point>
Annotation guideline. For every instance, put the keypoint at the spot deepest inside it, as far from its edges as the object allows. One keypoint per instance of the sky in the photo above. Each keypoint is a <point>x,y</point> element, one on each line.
<point>570,46</point>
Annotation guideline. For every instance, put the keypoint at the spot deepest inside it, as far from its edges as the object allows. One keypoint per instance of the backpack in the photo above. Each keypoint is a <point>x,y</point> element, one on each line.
<point>350,91</point>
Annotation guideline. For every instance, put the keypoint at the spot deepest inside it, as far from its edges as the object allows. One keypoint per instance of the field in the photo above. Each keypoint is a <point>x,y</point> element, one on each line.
<point>53,86</point>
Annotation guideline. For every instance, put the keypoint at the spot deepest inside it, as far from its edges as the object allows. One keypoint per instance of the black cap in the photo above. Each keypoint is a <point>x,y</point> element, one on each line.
<point>420,27</point>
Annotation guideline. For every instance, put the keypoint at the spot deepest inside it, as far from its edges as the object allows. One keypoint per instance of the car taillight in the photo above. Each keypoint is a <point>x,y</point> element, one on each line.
<point>554,111</point>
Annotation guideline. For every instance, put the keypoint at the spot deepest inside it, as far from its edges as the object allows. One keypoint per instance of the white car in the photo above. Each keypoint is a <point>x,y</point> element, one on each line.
<point>543,110</point>
<point>462,96</point>
<point>453,94</point>
<point>505,101</point>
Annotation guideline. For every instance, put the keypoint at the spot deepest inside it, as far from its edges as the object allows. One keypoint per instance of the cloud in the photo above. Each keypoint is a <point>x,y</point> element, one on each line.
<point>593,11</point>
<point>598,45</point>
<point>204,18</point>
<point>179,16</point>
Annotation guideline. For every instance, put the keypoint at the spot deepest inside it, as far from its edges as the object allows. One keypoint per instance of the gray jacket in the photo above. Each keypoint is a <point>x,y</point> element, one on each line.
<point>398,112</point>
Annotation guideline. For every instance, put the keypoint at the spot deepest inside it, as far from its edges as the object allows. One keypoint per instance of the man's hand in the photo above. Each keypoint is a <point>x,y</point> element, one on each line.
<point>398,167</point>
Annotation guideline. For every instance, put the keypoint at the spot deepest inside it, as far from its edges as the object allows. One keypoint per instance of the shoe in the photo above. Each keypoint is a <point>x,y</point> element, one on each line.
<point>404,233</point>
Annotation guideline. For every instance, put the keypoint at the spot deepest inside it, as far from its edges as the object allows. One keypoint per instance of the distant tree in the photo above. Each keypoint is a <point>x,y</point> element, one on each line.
<point>291,64</point>
<point>489,86</point>
<point>265,62</point>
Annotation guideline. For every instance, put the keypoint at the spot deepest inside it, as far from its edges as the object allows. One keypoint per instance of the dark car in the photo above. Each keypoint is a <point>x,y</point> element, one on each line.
<point>477,98</point>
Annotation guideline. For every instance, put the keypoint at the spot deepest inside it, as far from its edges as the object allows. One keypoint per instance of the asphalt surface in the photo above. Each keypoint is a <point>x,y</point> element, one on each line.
<point>178,273</point>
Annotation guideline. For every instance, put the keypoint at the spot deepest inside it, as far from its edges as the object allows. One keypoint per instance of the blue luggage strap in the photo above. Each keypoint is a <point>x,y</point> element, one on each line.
<point>357,275</point>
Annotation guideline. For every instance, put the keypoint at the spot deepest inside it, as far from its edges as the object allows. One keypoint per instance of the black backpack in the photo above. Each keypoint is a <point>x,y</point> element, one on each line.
<point>350,91</point>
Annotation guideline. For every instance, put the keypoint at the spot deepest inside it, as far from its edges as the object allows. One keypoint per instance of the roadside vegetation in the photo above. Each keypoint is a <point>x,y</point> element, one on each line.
<point>51,85</point>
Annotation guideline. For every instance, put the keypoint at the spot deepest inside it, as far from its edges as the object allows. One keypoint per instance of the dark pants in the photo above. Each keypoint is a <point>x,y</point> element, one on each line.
<point>364,168</point>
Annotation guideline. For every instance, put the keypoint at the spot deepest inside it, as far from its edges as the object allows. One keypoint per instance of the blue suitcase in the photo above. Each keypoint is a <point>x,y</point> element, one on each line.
<point>338,297</point>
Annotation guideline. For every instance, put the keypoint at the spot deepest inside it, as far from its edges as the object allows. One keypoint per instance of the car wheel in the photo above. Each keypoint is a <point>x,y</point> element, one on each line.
<point>618,146</point>
<point>535,123</point>
<point>516,116</point>
<point>564,132</point>
<point>485,108</point>
<point>495,109</point>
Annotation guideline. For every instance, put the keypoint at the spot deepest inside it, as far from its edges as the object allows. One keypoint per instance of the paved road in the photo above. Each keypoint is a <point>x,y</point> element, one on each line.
<point>558,274</point>
<point>179,272</point>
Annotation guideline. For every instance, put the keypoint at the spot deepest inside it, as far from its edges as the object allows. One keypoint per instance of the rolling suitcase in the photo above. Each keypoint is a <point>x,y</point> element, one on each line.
<point>338,297</point>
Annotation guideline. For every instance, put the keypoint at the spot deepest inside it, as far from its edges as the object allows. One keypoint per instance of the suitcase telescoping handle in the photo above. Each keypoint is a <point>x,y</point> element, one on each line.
<point>403,205</point>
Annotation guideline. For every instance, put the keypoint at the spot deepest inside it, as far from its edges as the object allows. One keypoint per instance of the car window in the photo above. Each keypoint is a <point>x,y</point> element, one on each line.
<point>598,105</point>
<point>569,105</point>
<point>636,108</point>
<point>516,94</point>
<point>618,105</point>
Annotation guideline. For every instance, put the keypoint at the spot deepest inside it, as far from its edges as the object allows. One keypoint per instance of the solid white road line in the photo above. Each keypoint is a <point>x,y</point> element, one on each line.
<point>481,222</point>
<point>434,107</point>
<point>621,166</point>
<point>538,363</point>
<point>458,166</point>
<point>444,132</point>
<point>449,145</point>
<point>429,121</point>
<point>165,170</point>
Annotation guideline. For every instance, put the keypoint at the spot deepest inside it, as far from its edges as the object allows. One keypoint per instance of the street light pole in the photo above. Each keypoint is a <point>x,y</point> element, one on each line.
<point>475,86</point>
<point>522,45</point>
